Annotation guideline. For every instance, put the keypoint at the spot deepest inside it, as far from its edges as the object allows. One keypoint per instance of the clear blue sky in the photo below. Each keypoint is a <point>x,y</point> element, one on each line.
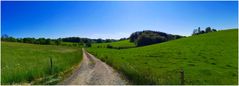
<point>113,19</point>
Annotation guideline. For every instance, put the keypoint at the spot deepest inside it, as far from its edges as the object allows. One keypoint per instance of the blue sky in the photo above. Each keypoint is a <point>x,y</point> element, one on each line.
<point>113,19</point>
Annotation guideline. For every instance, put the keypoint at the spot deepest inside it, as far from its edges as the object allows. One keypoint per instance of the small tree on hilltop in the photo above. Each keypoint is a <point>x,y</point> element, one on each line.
<point>214,30</point>
<point>199,30</point>
<point>194,32</point>
<point>208,29</point>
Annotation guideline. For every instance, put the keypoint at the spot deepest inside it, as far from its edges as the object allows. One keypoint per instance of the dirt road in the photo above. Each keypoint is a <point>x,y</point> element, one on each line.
<point>93,71</point>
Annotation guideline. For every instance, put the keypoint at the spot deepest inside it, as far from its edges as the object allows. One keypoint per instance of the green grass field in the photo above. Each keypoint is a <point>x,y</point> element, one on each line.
<point>119,44</point>
<point>71,44</point>
<point>206,59</point>
<point>24,63</point>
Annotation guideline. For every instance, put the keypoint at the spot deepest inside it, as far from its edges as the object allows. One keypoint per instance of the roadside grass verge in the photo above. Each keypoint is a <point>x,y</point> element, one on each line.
<point>24,63</point>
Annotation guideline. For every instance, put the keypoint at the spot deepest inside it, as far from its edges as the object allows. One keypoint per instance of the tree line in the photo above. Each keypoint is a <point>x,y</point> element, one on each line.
<point>86,40</point>
<point>140,38</point>
<point>43,41</point>
<point>199,31</point>
<point>75,41</point>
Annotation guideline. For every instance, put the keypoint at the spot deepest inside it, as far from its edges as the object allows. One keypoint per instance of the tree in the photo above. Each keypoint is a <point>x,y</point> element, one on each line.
<point>214,30</point>
<point>20,40</point>
<point>37,41</point>
<point>88,44</point>
<point>58,41</point>
<point>123,39</point>
<point>147,37</point>
<point>199,30</point>
<point>41,41</point>
<point>4,36</point>
<point>72,39</point>
<point>8,38</point>
<point>48,41</point>
<point>134,36</point>
<point>107,40</point>
<point>109,46</point>
<point>194,32</point>
<point>99,40</point>
<point>177,36</point>
<point>29,40</point>
<point>11,39</point>
<point>202,32</point>
<point>208,29</point>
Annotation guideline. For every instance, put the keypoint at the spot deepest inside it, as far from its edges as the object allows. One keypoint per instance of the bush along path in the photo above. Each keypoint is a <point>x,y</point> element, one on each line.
<point>92,71</point>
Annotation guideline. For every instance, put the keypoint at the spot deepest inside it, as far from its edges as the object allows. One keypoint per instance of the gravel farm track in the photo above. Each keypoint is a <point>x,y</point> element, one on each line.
<point>92,71</point>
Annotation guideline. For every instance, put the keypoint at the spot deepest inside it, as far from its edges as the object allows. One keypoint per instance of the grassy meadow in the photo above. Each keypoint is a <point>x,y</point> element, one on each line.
<point>119,44</point>
<point>24,63</point>
<point>71,44</point>
<point>210,58</point>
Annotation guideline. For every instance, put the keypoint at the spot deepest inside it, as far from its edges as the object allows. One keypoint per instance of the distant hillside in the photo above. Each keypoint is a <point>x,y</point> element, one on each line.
<point>210,58</point>
<point>147,37</point>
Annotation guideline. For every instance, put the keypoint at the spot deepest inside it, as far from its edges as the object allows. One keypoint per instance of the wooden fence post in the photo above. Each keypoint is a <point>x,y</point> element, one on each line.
<point>51,69</point>
<point>182,76</point>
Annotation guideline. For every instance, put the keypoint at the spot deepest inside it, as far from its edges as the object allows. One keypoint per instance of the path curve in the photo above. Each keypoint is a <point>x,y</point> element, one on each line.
<point>92,71</point>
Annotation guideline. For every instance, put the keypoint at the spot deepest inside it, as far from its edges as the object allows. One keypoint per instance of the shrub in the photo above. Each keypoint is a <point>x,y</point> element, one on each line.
<point>109,46</point>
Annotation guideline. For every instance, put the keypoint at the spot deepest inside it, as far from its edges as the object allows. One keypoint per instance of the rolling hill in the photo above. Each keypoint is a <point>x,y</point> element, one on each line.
<point>210,58</point>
